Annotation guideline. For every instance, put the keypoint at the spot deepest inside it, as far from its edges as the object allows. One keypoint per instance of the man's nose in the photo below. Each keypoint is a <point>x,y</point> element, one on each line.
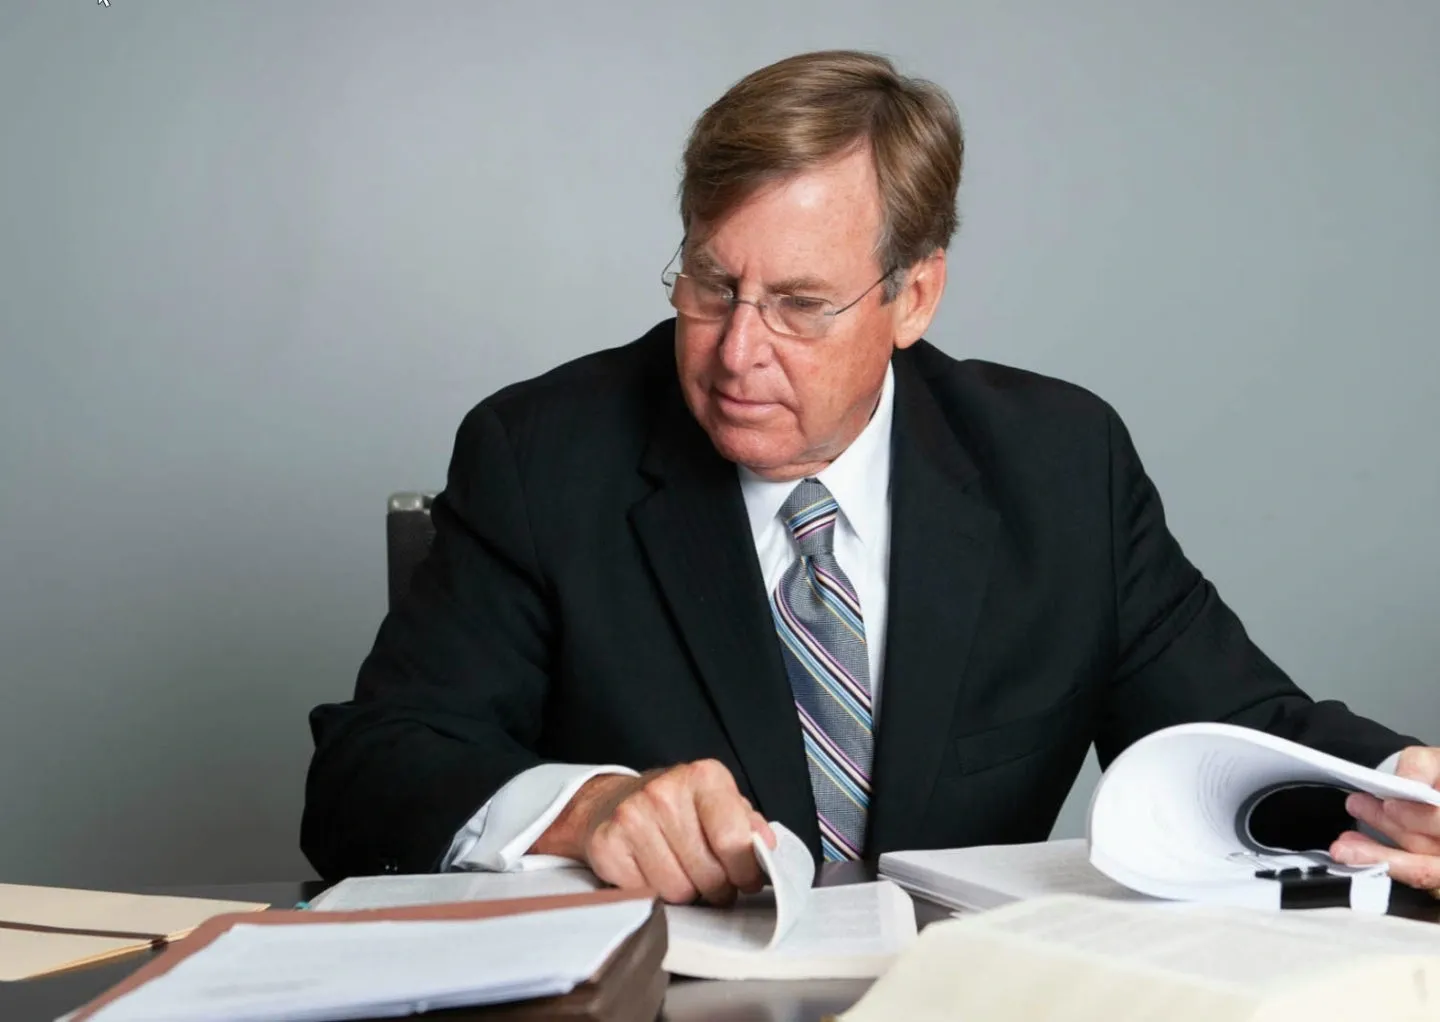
<point>746,343</point>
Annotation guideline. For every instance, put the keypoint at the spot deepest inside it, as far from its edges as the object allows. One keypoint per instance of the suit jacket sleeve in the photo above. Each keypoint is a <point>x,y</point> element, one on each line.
<point>1183,655</point>
<point>448,704</point>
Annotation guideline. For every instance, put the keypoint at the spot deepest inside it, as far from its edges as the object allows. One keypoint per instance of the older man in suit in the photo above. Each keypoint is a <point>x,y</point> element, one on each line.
<point>779,559</point>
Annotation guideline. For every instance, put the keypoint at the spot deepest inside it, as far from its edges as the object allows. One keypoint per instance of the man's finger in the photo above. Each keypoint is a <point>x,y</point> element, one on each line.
<point>1412,826</point>
<point>1419,763</point>
<point>725,820</point>
<point>1420,821</point>
<point>647,843</point>
<point>609,856</point>
<point>688,840</point>
<point>1355,849</point>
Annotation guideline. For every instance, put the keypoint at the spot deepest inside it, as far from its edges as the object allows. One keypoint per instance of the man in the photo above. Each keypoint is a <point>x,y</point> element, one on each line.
<point>782,560</point>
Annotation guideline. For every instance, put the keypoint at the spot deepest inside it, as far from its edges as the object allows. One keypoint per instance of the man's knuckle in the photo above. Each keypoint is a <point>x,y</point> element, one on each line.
<point>732,842</point>
<point>631,813</point>
<point>661,795</point>
<point>605,842</point>
<point>709,772</point>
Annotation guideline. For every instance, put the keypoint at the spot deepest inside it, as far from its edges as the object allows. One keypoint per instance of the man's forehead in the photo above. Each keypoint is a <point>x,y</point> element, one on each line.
<point>822,220</point>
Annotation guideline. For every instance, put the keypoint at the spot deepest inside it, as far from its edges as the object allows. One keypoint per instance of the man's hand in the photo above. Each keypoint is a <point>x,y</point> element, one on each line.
<point>1414,826</point>
<point>684,831</point>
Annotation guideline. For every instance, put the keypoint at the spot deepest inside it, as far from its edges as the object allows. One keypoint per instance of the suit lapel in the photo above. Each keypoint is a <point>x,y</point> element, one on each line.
<point>696,535</point>
<point>940,544</point>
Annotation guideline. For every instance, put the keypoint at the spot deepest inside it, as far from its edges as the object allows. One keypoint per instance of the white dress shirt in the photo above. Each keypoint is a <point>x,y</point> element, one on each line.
<point>499,835</point>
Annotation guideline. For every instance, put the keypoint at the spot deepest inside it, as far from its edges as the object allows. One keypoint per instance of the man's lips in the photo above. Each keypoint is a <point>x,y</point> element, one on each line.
<point>740,406</point>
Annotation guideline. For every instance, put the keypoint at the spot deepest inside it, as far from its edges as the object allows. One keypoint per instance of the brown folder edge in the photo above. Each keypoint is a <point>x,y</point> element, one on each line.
<point>212,928</point>
<point>153,939</point>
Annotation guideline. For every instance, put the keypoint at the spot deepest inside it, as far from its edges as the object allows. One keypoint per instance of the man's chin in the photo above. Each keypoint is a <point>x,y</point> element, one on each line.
<point>758,450</point>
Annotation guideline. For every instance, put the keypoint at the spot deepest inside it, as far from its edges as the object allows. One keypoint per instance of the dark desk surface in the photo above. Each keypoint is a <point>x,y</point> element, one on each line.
<point>42,1000</point>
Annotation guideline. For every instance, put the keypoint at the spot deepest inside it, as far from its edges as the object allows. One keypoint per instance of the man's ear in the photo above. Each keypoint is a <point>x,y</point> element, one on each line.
<point>919,298</point>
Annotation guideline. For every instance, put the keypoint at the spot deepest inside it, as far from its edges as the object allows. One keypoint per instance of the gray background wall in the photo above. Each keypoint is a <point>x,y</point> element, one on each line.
<point>257,258</point>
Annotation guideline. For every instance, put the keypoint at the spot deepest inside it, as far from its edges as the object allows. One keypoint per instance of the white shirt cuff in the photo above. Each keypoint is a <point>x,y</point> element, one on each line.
<point>497,836</point>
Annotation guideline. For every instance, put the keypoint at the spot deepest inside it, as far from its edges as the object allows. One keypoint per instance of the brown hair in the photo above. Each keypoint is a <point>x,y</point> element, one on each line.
<point>806,110</point>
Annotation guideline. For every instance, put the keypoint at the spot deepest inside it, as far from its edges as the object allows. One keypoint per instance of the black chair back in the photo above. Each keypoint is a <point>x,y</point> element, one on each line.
<point>408,534</point>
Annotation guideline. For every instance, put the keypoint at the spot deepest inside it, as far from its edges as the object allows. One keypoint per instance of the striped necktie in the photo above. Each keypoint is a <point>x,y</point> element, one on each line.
<point>822,640</point>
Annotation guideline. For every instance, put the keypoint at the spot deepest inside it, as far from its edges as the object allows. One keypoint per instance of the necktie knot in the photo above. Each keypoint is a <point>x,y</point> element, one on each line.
<point>809,513</point>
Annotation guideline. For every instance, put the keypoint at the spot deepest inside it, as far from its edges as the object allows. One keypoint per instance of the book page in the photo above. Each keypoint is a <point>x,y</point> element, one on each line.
<point>1238,947</point>
<point>438,888</point>
<point>860,923</point>
<point>791,872</point>
<point>853,919</point>
<point>1071,958</point>
<point>1163,818</point>
<point>987,876</point>
<point>366,970</point>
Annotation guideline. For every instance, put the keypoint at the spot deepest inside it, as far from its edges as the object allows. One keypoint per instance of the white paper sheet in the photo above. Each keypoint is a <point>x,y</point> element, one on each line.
<point>1247,949</point>
<point>1073,959</point>
<point>360,970</point>
<point>1163,818</point>
<point>358,893</point>
<point>987,876</point>
<point>850,930</point>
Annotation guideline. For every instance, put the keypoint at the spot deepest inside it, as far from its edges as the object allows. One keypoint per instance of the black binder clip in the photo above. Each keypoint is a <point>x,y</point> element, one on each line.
<point>1309,886</point>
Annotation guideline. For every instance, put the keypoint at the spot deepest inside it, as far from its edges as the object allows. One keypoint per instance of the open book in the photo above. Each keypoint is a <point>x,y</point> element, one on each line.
<point>790,930</point>
<point>1067,958</point>
<point>1194,813</point>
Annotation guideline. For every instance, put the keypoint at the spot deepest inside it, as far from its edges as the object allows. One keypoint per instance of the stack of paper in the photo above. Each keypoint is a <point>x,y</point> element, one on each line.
<point>305,967</point>
<point>988,876</point>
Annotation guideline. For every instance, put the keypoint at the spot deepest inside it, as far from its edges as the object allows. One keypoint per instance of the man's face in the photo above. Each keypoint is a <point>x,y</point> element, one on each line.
<point>787,406</point>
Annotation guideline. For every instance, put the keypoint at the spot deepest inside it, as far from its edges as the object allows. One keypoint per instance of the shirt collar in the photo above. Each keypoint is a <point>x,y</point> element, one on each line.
<point>859,479</point>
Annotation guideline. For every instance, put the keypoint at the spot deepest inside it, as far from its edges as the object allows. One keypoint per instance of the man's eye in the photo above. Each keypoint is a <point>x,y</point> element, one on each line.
<point>800,303</point>
<point>713,288</point>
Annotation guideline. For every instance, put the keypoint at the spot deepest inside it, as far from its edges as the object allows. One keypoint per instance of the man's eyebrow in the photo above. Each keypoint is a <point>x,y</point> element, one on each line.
<point>701,262</point>
<point>796,285</point>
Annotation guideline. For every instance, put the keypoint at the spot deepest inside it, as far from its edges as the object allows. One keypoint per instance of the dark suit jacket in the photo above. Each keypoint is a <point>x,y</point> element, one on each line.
<point>593,596</point>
